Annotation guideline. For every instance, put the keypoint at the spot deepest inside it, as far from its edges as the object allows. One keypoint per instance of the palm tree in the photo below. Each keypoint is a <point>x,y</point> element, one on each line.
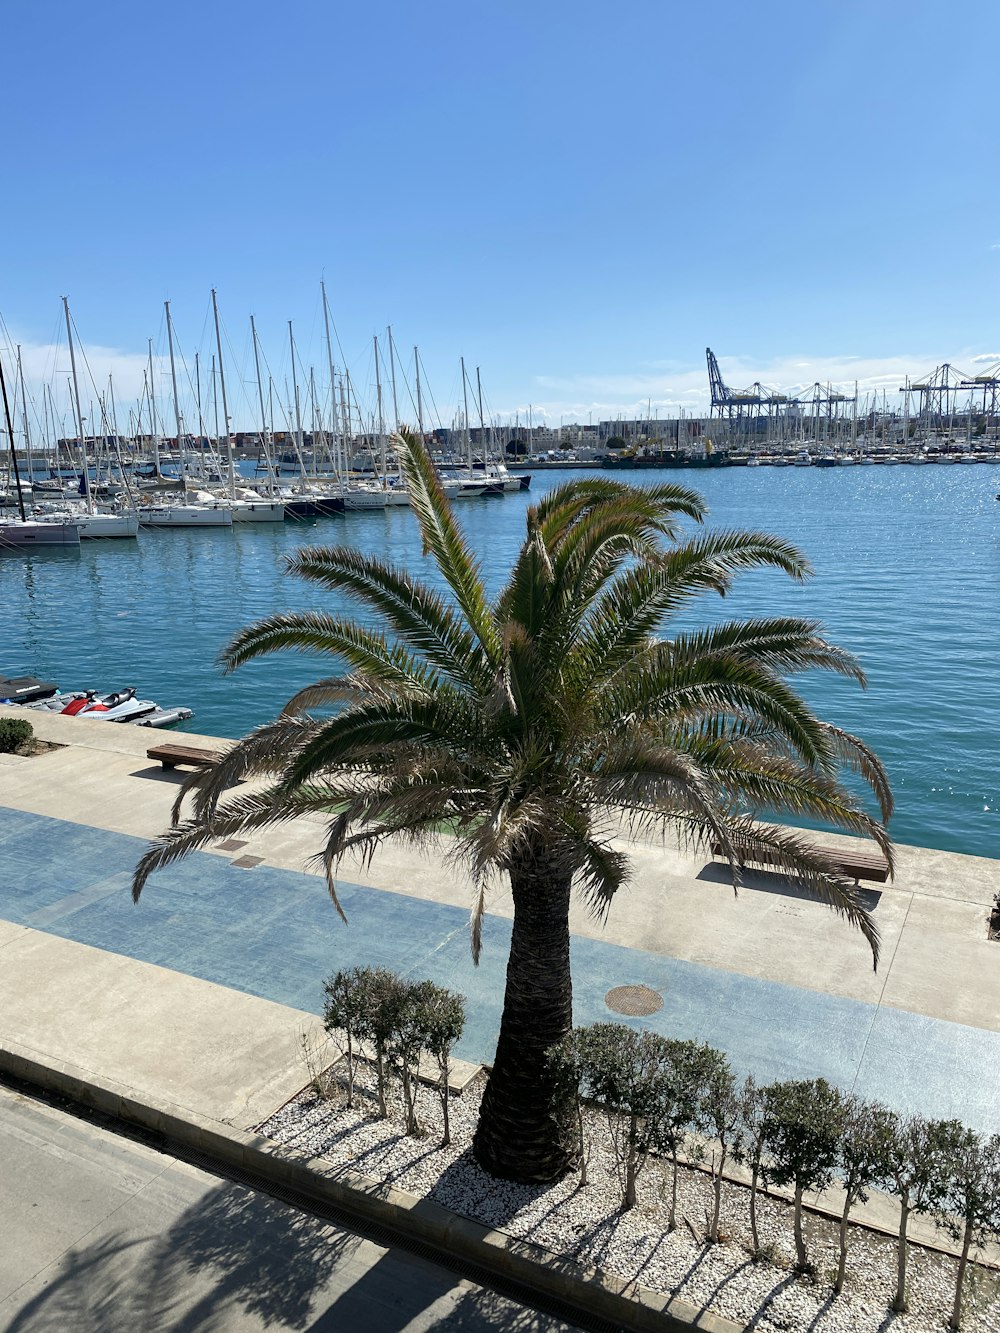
<point>539,725</point>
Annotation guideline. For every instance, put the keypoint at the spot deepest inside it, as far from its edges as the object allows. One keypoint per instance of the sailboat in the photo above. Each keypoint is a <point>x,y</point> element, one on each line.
<point>247,505</point>
<point>376,495</point>
<point>199,509</point>
<point>19,531</point>
<point>92,520</point>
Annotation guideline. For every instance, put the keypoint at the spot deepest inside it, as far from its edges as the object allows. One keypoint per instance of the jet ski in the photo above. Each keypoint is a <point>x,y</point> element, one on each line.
<point>58,702</point>
<point>119,706</point>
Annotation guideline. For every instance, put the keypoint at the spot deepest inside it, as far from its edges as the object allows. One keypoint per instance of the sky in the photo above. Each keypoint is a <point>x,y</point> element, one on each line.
<point>577,197</point>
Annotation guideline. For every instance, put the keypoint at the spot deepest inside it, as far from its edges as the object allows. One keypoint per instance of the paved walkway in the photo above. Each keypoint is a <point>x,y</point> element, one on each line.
<point>99,1234</point>
<point>775,980</point>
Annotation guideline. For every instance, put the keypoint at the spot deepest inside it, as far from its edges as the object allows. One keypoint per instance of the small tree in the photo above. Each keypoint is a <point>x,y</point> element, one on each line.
<point>565,1072</point>
<point>690,1066</point>
<point>405,1040</point>
<point>343,1010</point>
<point>628,1074</point>
<point>442,1020</point>
<point>970,1209</point>
<point>381,994</point>
<point>804,1118</point>
<point>918,1174</point>
<point>867,1134</point>
<point>749,1149</point>
<point>719,1115</point>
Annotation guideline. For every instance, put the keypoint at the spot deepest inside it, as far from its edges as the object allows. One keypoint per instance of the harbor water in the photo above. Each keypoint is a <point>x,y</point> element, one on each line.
<point>907,576</point>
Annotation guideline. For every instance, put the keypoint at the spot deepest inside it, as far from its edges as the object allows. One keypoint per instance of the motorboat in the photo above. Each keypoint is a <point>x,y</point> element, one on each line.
<point>26,689</point>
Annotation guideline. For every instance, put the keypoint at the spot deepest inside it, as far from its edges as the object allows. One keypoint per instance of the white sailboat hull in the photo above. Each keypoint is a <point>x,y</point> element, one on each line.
<point>358,501</point>
<point>186,516</point>
<point>258,511</point>
<point>93,526</point>
<point>15,532</point>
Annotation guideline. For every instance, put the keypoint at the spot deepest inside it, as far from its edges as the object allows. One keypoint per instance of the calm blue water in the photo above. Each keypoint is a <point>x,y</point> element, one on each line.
<point>907,575</point>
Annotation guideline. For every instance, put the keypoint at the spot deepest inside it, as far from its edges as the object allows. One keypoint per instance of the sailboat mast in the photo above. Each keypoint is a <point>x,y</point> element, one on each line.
<point>482,423</point>
<point>154,436</point>
<point>10,440</point>
<point>340,442</point>
<point>177,402</point>
<point>465,399</point>
<point>381,415</point>
<point>263,414</point>
<point>79,415</point>
<point>215,403</point>
<point>295,394</point>
<point>420,401</point>
<point>24,411</point>
<point>392,370</point>
<point>225,403</point>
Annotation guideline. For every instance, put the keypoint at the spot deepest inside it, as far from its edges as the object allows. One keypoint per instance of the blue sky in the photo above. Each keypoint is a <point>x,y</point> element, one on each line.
<point>578,197</point>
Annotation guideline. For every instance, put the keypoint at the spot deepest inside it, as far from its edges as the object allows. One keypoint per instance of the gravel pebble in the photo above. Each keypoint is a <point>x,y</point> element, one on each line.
<point>583,1221</point>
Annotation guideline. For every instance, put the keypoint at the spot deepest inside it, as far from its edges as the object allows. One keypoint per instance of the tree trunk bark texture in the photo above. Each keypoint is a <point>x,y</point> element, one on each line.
<point>801,1258</point>
<point>838,1285</point>
<point>525,1131</point>
<point>899,1300</point>
<point>956,1313</point>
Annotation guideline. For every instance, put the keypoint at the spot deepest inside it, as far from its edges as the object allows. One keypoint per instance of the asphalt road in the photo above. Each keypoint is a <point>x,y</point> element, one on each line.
<point>99,1234</point>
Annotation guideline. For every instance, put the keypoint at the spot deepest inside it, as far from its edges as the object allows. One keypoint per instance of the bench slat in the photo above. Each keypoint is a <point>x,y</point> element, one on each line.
<point>862,865</point>
<point>171,755</point>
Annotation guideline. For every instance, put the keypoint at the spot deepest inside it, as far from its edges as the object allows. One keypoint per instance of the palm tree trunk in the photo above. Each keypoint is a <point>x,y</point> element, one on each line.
<point>525,1130</point>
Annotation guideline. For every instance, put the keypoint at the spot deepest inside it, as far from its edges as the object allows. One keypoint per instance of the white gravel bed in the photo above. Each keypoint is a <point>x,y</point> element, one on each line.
<point>583,1222</point>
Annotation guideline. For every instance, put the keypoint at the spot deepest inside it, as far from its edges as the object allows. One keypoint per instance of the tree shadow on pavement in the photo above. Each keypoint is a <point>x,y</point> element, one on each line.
<point>235,1261</point>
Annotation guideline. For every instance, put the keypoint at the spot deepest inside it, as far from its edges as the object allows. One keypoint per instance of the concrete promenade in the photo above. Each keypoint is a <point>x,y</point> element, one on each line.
<point>230,961</point>
<point>102,1234</point>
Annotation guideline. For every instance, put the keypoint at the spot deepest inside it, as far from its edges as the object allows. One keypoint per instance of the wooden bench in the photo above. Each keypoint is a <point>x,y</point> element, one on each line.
<point>172,755</point>
<point>859,865</point>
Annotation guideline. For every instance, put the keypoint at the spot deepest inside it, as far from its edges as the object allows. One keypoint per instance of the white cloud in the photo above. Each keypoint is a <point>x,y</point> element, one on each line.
<point>674,388</point>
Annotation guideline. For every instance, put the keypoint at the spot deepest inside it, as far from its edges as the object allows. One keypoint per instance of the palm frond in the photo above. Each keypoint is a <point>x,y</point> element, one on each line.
<point>412,610</point>
<point>443,539</point>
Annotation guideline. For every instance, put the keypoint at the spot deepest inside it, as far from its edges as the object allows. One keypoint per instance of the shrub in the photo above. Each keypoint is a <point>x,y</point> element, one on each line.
<point>868,1132</point>
<point>627,1073</point>
<point>345,1005</point>
<point>719,1116</point>
<point>691,1065</point>
<point>803,1120</point>
<point>971,1197</point>
<point>14,733</point>
<point>442,1022</point>
<point>918,1174</point>
<point>401,1020</point>
<point>750,1147</point>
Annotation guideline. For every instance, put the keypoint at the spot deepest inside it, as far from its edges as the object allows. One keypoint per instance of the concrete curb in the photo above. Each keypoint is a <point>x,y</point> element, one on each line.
<point>593,1291</point>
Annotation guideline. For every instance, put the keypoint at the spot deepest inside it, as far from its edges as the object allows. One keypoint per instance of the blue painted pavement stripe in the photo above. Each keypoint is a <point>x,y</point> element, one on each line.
<point>274,933</point>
